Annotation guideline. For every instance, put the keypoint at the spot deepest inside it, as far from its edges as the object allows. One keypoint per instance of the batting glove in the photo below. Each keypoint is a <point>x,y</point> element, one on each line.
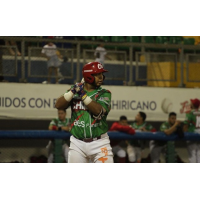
<point>79,89</point>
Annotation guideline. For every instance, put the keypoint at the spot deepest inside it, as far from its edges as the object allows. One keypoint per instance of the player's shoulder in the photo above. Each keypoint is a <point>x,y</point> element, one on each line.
<point>165,123</point>
<point>46,46</point>
<point>134,125</point>
<point>103,90</point>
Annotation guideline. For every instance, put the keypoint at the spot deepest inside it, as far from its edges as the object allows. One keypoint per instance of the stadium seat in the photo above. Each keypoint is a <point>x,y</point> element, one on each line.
<point>161,40</point>
<point>174,40</point>
<point>188,41</point>
<point>134,39</point>
<point>117,39</point>
<point>89,46</point>
<point>149,39</point>
<point>104,38</point>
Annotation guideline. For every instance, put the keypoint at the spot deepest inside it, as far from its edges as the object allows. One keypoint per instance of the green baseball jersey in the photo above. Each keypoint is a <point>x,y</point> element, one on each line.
<point>170,145</point>
<point>164,126</point>
<point>57,122</point>
<point>193,120</point>
<point>84,125</point>
<point>148,127</point>
<point>140,143</point>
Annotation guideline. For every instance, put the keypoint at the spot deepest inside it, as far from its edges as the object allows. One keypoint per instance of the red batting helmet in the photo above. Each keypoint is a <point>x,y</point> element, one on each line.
<point>195,102</point>
<point>92,68</point>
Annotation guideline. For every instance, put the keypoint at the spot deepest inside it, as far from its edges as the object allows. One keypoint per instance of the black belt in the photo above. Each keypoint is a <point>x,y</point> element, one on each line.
<point>90,139</point>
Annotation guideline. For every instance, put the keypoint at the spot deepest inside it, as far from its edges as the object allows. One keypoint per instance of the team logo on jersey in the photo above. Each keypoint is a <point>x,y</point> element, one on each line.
<point>78,105</point>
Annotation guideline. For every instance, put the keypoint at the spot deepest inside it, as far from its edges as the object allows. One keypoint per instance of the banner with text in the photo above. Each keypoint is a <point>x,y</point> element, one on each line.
<point>36,101</point>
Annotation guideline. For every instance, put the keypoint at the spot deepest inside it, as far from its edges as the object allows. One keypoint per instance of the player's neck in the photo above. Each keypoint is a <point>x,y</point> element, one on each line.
<point>89,87</point>
<point>139,123</point>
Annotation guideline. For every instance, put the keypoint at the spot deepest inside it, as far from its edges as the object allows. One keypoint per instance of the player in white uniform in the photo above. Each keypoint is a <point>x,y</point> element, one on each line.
<point>192,125</point>
<point>100,54</point>
<point>90,105</point>
<point>49,51</point>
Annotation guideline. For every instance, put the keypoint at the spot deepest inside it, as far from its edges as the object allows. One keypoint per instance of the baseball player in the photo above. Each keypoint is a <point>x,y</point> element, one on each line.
<point>134,148</point>
<point>58,124</point>
<point>49,51</point>
<point>90,105</point>
<point>158,147</point>
<point>122,126</point>
<point>100,53</point>
<point>192,124</point>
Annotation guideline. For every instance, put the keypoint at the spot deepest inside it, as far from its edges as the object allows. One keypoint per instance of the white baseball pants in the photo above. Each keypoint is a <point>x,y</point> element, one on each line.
<point>98,151</point>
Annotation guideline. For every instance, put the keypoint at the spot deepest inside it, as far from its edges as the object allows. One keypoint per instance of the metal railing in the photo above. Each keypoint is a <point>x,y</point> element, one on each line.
<point>24,41</point>
<point>40,70</point>
<point>195,64</point>
<point>8,63</point>
<point>121,74</point>
<point>148,56</point>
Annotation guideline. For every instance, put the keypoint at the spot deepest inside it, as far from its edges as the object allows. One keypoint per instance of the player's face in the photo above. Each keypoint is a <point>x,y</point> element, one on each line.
<point>98,79</point>
<point>138,118</point>
<point>172,119</point>
<point>61,115</point>
<point>124,122</point>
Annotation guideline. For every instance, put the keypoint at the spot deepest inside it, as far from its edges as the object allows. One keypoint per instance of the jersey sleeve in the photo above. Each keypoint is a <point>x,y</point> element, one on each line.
<point>163,127</point>
<point>118,127</point>
<point>43,51</point>
<point>53,123</point>
<point>149,127</point>
<point>105,100</point>
<point>187,118</point>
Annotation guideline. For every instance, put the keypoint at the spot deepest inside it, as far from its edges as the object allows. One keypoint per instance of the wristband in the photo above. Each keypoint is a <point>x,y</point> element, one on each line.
<point>86,100</point>
<point>54,128</point>
<point>68,96</point>
<point>59,128</point>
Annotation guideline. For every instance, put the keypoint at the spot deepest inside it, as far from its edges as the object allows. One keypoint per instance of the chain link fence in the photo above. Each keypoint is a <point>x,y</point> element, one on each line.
<point>8,62</point>
<point>37,65</point>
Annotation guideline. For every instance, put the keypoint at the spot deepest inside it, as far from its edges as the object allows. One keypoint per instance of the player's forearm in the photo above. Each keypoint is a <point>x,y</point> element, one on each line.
<point>94,107</point>
<point>170,130</point>
<point>65,128</point>
<point>61,103</point>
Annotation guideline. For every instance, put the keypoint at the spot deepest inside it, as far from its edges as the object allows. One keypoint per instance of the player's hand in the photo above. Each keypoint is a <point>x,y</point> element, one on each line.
<point>177,123</point>
<point>143,129</point>
<point>131,131</point>
<point>79,88</point>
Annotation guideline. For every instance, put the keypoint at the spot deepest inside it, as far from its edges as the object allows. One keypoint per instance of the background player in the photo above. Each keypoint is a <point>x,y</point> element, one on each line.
<point>58,124</point>
<point>192,125</point>
<point>134,148</point>
<point>121,126</point>
<point>100,53</point>
<point>49,51</point>
<point>158,147</point>
<point>90,105</point>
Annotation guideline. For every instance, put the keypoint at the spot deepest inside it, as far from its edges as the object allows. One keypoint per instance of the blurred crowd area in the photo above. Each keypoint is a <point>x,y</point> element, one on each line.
<point>159,61</point>
<point>185,40</point>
